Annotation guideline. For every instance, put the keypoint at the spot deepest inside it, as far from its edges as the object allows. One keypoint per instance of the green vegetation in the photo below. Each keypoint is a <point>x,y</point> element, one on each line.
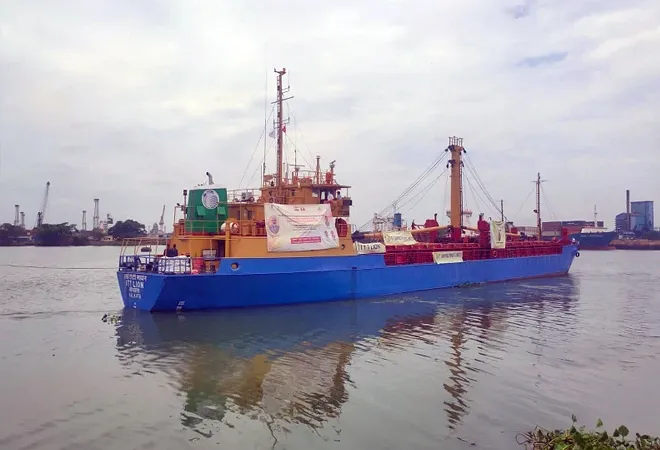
<point>64,234</point>
<point>579,438</point>
<point>127,229</point>
<point>53,235</point>
<point>10,234</point>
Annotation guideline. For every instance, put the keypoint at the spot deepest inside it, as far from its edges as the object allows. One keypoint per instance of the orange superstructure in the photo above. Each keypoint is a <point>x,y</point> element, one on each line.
<point>243,232</point>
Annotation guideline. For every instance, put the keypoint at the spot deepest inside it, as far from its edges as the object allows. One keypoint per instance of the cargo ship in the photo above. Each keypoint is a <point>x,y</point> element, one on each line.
<point>595,237</point>
<point>289,242</point>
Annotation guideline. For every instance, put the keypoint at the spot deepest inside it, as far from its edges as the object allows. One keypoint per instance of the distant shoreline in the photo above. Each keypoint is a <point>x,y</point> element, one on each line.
<point>117,243</point>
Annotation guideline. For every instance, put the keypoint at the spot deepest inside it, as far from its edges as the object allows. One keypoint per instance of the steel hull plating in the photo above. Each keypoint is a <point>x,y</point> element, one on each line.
<point>242,282</point>
<point>595,241</point>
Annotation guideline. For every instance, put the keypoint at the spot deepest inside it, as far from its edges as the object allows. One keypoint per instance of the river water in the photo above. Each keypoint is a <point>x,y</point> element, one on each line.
<point>462,368</point>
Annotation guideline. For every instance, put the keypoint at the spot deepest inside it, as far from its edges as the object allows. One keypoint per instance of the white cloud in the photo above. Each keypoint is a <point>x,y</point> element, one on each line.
<point>134,101</point>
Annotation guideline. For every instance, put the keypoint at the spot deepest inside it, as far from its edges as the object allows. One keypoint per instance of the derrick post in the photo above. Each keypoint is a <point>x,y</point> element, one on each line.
<point>456,164</point>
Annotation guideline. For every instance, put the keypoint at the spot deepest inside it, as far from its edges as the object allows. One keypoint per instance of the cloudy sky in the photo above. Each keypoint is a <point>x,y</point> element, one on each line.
<point>133,101</point>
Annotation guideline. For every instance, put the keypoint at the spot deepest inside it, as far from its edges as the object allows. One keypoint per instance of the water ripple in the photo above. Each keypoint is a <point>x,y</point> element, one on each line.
<point>471,365</point>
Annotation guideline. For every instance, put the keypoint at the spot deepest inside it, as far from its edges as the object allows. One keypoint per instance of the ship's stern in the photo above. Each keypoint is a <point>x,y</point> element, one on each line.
<point>140,290</point>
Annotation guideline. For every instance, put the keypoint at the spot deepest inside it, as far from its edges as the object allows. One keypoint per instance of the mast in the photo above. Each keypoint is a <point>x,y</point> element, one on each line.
<point>263,173</point>
<point>456,164</point>
<point>538,205</point>
<point>595,217</point>
<point>280,123</point>
<point>280,137</point>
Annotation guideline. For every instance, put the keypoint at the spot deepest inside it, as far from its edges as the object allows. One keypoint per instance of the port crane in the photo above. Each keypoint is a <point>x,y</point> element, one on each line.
<point>161,224</point>
<point>41,215</point>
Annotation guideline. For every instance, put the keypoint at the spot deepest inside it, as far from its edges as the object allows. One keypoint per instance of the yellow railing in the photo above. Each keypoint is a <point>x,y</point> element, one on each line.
<point>136,244</point>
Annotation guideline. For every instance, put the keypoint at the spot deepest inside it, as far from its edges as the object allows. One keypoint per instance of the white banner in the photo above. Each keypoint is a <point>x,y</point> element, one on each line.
<point>370,247</point>
<point>447,257</point>
<point>398,238</point>
<point>497,234</point>
<point>299,228</point>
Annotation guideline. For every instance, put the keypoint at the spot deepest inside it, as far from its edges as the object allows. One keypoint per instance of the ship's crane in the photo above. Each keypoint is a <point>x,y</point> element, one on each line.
<point>41,215</point>
<point>161,224</point>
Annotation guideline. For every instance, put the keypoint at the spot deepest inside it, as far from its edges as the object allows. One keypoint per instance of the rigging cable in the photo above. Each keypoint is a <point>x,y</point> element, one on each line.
<point>295,149</point>
<point>263,135</point>
<point>293,141</point>
<point>444,199</point>
<point>302,136</point>
<point>424,191</point>
<point>524,201</point>
<point>480,183</point>
<point>474,193</point>
<point>412,186</point>
<point>552,213</point>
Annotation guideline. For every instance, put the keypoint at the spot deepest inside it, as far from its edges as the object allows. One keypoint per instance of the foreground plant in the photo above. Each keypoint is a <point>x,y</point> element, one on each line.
<point>578,438</point>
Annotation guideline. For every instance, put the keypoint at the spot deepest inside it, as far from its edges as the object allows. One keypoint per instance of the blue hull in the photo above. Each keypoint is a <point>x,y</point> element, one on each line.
<point>243,282</point>
<point>595,241</point>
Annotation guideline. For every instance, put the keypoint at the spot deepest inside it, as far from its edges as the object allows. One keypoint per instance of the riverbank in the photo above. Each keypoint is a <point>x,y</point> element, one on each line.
<point>117,243</point>
<point>636,244</point>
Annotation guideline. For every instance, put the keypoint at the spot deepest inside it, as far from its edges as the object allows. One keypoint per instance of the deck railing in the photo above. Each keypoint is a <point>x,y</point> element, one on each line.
<point>423,253</point>
<point>247,195</point>
<point>176,265</point>
<point>302,177</point>
<point>249,228</point>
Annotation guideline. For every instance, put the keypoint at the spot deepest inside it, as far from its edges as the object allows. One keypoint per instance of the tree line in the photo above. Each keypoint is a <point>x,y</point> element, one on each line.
<point>62,234</point>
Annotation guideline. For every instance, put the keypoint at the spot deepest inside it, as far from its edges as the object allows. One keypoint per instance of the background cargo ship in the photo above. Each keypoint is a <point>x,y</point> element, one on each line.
<point>595,237</point>
<point>289,242</point>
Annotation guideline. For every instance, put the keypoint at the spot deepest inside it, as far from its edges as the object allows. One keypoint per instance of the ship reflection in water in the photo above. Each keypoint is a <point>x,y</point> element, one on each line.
<point>292,365</point>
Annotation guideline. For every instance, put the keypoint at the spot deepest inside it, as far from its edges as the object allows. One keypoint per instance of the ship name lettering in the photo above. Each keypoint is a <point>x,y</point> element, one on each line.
<point>134,284</point>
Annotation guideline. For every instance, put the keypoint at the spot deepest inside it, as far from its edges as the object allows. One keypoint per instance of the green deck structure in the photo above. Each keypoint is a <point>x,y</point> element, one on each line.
<point>206,210</point>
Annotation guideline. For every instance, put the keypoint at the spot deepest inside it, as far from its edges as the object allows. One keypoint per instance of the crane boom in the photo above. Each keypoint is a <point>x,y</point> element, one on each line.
<point>41,215</point>
<point>162,221</point>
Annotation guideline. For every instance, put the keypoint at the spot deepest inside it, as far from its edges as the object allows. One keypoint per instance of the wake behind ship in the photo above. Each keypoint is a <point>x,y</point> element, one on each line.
<point>289,242</point>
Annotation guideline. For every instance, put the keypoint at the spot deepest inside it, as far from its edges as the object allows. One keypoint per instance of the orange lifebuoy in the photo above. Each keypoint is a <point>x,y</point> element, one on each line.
<point>494,253</point>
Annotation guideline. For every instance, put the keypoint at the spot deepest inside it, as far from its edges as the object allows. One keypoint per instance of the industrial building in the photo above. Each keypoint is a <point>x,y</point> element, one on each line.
<point>636,222</point>
<point>645,211</point>
<point>638,218</point>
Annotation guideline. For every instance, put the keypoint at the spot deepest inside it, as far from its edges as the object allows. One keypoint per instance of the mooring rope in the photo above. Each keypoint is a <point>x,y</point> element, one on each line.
<point>56,268</point>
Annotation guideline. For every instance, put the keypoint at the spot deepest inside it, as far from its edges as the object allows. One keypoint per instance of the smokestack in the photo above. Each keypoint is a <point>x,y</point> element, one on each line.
<point>22,219</point>
<point>16,215</point>
<point>96,218</point>
<point>628,210</point>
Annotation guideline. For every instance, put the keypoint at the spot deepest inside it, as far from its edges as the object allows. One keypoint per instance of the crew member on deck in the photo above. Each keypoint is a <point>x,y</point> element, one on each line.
<point>171,251</point>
